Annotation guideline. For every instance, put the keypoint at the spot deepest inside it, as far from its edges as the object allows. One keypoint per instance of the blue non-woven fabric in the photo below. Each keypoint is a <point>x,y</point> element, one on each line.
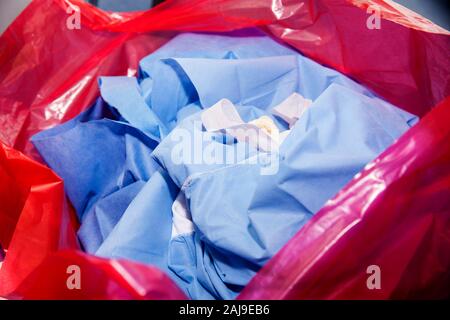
<point>102,217</point>
<point>102,161</point>
<point>248,70</point>
<point>242,44</point>
<point>117,158</point>
<point>242,217</point>
<point>189,150</point>
<point>125,94</point>
<point>144,230</point>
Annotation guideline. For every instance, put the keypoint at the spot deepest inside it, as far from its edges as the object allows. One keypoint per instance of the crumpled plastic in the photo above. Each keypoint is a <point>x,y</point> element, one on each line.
<point>411,177</point>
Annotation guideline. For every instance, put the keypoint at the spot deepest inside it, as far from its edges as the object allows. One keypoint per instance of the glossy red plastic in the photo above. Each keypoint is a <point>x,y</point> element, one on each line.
<point>395,214</point>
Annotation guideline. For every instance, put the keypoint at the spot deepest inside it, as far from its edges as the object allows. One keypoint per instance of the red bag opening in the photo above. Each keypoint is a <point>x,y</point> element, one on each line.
<point>395,214</point>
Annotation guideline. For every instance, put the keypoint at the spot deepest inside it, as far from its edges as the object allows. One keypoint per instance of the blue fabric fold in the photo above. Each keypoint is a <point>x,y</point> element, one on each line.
<point>98,156</point>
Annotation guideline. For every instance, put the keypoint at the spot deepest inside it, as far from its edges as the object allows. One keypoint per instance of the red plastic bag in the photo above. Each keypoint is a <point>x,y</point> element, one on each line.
<point>395,214</point>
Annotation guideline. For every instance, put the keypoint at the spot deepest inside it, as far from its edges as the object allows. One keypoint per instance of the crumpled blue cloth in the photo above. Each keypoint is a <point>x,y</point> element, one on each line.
<point>104,164</point>
<point>117,158</point>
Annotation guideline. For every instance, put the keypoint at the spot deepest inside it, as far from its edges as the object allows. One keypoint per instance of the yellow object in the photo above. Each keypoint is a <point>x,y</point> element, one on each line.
<point>268,126</point>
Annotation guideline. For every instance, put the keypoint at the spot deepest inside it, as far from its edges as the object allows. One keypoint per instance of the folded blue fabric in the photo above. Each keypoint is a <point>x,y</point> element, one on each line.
<point>211,225</point>
<point>102,162</point>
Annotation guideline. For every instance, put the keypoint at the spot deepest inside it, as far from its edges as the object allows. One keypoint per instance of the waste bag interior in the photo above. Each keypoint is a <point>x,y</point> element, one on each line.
<point>240,151</point>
